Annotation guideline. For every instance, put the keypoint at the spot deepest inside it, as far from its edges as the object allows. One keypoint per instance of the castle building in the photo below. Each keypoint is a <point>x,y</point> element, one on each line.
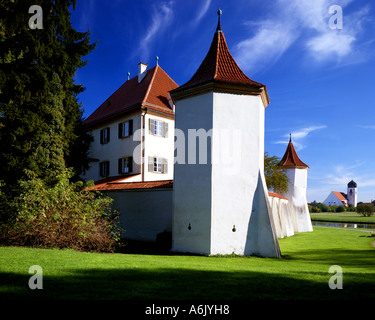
<point>212,198</point>
<point>133,130</point>
<point>297,173</point>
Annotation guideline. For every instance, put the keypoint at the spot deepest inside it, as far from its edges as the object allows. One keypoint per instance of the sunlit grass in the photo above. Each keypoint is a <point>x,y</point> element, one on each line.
<point>302,273</point>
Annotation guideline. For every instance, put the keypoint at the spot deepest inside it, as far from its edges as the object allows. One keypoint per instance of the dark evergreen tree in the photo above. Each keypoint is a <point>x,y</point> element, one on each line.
<point>40,117</point>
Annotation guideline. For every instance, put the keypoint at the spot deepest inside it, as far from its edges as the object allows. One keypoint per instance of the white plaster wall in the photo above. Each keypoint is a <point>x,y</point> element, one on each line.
<point>282,217</point>
<point>115,149</point>
<point>352,197</point>
<point>216,199</point>
<point>332,200</point>
<point>287,224</point>
<point>277,216</point>
<point>192,182</point>
<point>160,147</point>
<point>297,200</point>
<point>238,151</point>
<point>143,213</point>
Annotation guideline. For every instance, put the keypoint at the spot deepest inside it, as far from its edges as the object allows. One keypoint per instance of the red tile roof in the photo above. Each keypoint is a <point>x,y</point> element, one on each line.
<point>219,66</point>
<point>341,196</point>
<point>276,195</point>
<point>291,159</point>
<point>117,183</point>
<point>152,92</point>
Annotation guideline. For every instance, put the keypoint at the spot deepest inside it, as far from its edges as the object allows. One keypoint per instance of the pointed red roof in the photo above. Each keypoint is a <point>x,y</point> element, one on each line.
<point>291,159</point>
<point>220,67</point>
<point>152,92</point>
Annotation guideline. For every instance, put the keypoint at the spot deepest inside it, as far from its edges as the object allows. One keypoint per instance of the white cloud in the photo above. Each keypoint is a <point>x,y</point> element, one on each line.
<point>328,45</point>
<point>305,23</point>
<point>367,127</point>
<point>162,16</point>
<point>202,11</point>
<point>265,47</point>
<point>299,136</point>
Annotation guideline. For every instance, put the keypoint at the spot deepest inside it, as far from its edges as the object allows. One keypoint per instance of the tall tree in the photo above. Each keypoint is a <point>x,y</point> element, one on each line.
<point>40,117</point>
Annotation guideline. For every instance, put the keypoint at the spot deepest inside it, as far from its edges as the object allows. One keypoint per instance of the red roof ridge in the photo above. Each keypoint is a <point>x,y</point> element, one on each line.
<point>150,84</point>
<point>132,95</point>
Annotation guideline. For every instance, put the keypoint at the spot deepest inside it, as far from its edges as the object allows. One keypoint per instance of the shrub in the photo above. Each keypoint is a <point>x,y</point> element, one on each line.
<point>67,215</point>
<point>366,209</point>
<point>341,209</point>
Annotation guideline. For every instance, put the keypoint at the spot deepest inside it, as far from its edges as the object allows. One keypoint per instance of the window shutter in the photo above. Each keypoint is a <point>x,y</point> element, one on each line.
<point>108,132</point>
<point>120,130</point>
<point>165,129</point>
<point>101,136</point>
<point>130,127</point>
<point>130,164</point>
<point>101,169</point>
<point>120,165</point>
<point>150,164</point>
<point>165,166</point>
<point>151,126</point>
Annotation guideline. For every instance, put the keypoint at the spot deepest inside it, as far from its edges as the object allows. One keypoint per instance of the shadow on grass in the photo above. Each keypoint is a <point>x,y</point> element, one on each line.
<point>342,257</point>
<point>183,284</point>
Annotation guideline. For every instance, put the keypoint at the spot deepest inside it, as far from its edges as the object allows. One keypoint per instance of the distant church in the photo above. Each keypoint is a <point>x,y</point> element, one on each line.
<point>208,208</point>
<point>336,198</point>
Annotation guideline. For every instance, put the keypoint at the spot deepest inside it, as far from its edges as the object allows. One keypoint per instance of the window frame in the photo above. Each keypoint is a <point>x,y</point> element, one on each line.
<point>122,126</point>
<point>104,167</point>
<point>158,128</point>
<point>105,134</point>
<point>157,165</point>
<point>121,163</point>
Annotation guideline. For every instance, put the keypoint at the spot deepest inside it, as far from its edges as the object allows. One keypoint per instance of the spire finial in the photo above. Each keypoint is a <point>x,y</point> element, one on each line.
<point>290,137</point>
<point>219,13</point>
<point>128,75</point>
<point>157,60</point>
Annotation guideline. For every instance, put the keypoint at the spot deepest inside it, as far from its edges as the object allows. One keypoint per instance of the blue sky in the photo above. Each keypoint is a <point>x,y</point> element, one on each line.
<point>320,80</point>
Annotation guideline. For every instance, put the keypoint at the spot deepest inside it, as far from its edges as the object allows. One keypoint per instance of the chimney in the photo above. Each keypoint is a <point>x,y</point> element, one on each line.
<point>142,67</point>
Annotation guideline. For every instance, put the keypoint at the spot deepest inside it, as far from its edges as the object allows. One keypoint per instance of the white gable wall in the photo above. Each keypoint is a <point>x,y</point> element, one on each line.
<point>332,200</point>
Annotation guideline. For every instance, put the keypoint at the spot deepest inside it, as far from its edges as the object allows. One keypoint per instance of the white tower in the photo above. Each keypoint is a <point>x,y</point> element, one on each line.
<point>297,174</point>
<point>220,206</point>
<point>352,193</point>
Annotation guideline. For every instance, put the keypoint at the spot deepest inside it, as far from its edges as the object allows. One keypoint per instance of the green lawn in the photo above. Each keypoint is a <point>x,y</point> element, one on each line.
<point>349,217</point>
<point>302,273</point>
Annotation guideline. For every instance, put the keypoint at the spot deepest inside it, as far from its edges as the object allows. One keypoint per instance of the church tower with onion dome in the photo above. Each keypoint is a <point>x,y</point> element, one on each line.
<point>220,199</point>
<point>296,195</point>
<point>352,193</point>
